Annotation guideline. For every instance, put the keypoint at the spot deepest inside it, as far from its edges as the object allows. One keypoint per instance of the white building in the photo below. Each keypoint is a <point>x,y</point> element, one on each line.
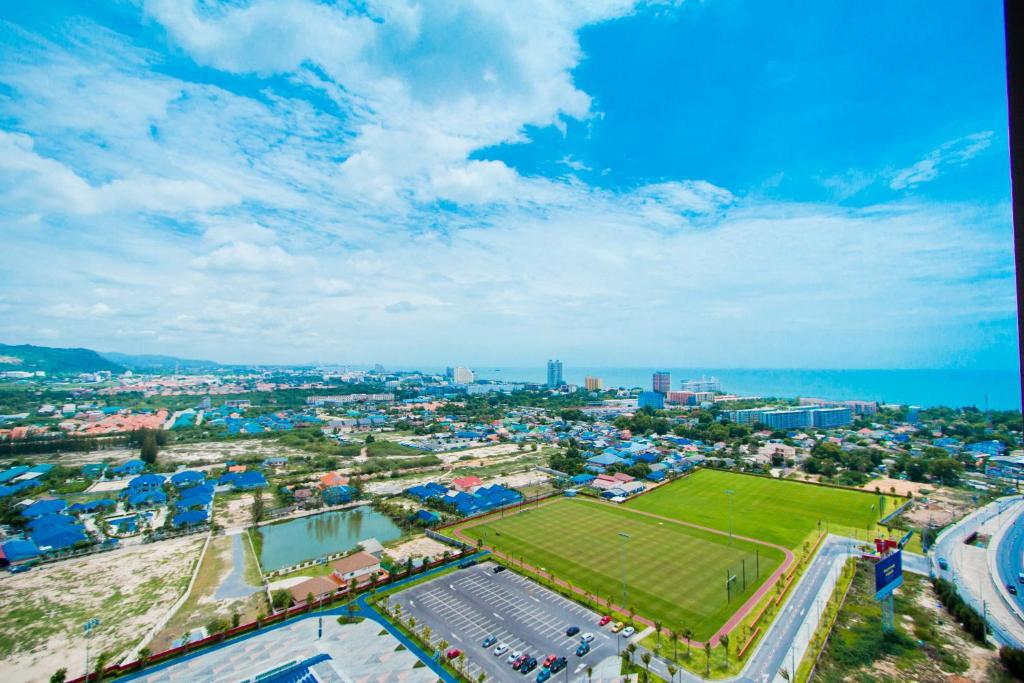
<point>461,375</point>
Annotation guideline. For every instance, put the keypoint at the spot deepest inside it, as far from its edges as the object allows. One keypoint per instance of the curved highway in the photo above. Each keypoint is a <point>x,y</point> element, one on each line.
<point>1009,554</point>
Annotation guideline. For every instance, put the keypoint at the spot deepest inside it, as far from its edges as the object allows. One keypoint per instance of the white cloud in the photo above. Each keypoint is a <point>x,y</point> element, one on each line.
<point>952,153</point>
<point>260,224</point>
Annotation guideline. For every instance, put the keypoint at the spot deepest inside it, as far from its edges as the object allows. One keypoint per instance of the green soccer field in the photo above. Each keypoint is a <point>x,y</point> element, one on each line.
<point>772,510</point>
<point>674,574</point>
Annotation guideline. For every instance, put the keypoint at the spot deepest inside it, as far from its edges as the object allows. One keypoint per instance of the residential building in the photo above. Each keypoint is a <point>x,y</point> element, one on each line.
<point>594,383</point>
<point>461,375</point>
<point>711,384</point>
<point>651,399</point>
<point>555,373</point>
<point>355,566</point>
<point>661,382</point>
<point>680,398</point>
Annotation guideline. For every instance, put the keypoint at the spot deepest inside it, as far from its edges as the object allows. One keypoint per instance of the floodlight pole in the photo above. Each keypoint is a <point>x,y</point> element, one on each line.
<point>625,537</point>
<point>729,492</point>
<point>88,627</point>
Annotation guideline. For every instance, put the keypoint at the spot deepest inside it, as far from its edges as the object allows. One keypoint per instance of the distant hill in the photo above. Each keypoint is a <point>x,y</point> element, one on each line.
<point>155,363</point>
<point>52,360</point>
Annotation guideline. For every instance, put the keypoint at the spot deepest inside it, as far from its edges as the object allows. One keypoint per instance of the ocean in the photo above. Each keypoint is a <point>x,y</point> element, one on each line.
<point>994,389</point>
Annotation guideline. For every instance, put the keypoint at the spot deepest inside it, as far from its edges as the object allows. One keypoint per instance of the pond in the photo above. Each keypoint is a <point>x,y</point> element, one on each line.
<point>308,538</point>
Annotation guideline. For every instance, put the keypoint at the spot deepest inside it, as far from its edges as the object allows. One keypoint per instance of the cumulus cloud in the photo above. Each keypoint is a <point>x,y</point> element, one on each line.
<point>330,193</point>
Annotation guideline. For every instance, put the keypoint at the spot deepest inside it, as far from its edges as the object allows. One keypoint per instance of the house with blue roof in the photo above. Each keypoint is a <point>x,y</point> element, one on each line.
<point>50,521</point>
<point>582,479</point>
<point>247,481</point>
<point>338,495</point>
<point>143,499</point>
<point>56,537</point>
<point>94,470</point>
<point>656,476</point>
<point>187,478</point>
<point>44,507</point>
<point>12,472</point>
<point>987,447</point>
<point>427,517</point>
<point>18,487</point>
<point>190,518</point>
<point>18,551</point>
<point>427,491</point>
<point>606,459</point>
<point>145,482</point>
<point>130,468</point>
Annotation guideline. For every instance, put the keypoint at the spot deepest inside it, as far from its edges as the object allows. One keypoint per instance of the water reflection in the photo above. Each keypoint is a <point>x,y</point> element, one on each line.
<point>307,538</point>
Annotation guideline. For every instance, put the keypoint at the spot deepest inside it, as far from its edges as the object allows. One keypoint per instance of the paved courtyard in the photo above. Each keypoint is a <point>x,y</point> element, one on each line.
<point>358,654</point>
<point>466,606</point>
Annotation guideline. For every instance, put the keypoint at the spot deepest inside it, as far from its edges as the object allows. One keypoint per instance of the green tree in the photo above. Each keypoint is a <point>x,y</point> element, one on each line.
<point>149,448</point>
<point>59,675</point>
<point>257,507</point>
<point>707,658</point>
<point>281,599</point>
<point>724,642</point>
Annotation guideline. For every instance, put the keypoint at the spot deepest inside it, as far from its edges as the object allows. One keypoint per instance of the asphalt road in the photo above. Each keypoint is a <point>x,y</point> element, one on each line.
<point>1009,555</point>
<point>466,606</point>
<point>971,585</point>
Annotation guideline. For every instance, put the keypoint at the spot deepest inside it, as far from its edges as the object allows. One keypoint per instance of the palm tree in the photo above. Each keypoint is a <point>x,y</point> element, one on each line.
<point>784,672</point>
<point>398,608</point>
<point>590,673</point>
<point>672,673</point>
<point>675,643</point>
<point>462,661</point>
<point>646,659</point>
<point>412,623</point>
<point>707,658</point>
<point>426,635</point>
<point>657,630</point>
<point>688,634</point>
<point>724,642</point>
<point>442,645</point>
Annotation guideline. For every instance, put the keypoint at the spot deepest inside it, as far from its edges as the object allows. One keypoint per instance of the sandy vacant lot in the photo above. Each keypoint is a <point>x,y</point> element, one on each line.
<point>902,487</point>
<point>129,590</point>
<point>421,546</point>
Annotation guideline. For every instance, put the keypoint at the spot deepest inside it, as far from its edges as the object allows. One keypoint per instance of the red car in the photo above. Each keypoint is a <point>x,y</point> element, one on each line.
<point>453,653</point>
<point>604,620</point>
<point>549,660</point>
<point>519,662</point>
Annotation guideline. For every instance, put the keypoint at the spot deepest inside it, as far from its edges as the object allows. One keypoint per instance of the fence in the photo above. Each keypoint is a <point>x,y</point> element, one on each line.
<point>277,617</point>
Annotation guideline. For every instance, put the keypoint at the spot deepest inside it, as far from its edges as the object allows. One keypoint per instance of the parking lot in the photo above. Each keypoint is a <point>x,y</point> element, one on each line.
<point>468,605</point>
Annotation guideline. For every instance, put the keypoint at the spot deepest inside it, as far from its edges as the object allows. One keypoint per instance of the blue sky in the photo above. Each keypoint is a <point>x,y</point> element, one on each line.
<point>719,183</point>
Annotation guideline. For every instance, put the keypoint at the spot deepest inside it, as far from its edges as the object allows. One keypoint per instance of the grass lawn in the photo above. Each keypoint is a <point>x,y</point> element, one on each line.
<point>674,574</point>
<point>773,510</point>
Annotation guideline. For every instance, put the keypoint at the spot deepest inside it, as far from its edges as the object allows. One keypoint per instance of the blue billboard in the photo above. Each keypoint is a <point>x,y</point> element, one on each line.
<point>888,575</point>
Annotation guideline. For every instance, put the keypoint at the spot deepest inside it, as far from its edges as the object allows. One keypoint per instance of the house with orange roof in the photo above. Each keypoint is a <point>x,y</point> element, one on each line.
<point>467,483</point>
<point>333,479</point>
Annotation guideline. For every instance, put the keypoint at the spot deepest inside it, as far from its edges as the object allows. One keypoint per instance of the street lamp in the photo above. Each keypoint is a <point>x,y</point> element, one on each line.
<point>625,537</point>
<point>88,627</point>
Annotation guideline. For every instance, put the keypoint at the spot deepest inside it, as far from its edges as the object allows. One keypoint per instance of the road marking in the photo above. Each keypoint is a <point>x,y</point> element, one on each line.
<point>498,616</point>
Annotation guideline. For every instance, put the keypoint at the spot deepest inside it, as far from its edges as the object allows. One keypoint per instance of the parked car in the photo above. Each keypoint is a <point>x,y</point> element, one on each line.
<point>604,620</point>
<point>1013,589</point>
<point>547,660</point>
<point>500,650</point>
<point>583,649</point>
<point>516,654</point>
<point>628,631</point>
<point>558,665</point>
<point>572,630</point>
<point>489,640</point>
<point>19,568</point>
<point>453,653</point>
<point>943,564</point>
<point>518,664</point>
<point>587,637</point>
<point>498,569</point>
<point>617,627</point>
<point>529,665</point>
<point>543,675</point>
